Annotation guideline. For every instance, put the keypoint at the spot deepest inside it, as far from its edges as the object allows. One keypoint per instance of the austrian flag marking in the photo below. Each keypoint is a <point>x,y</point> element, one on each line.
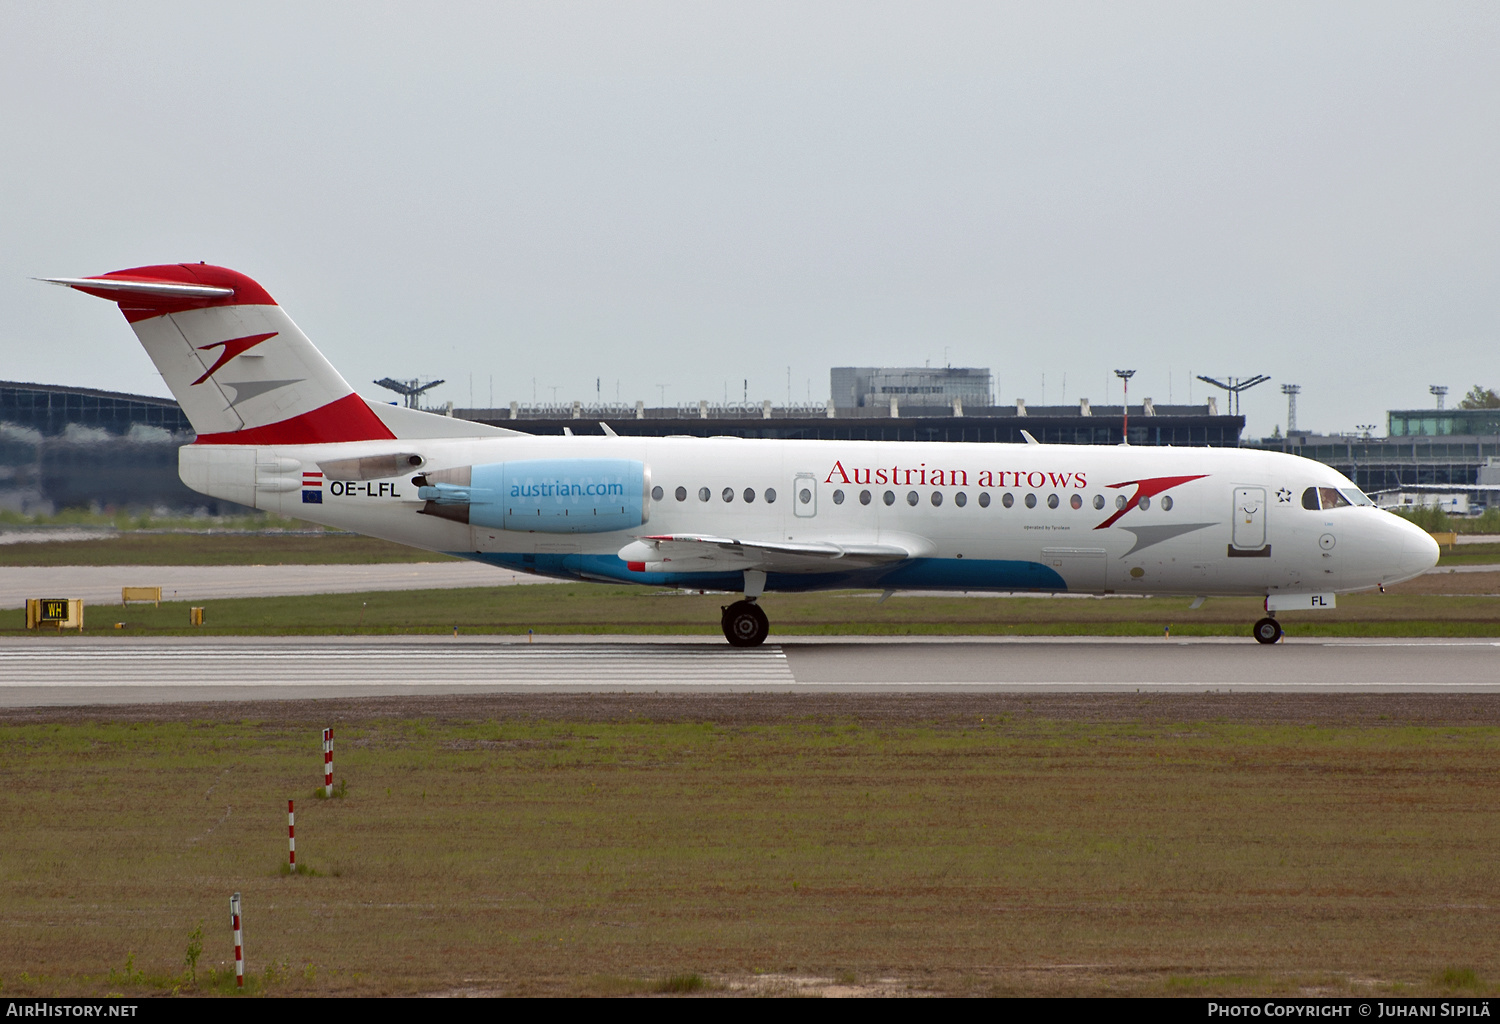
<point>312,488</point>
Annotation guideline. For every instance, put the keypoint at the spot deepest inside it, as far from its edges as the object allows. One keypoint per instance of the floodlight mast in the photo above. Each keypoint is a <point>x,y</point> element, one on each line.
<point>1125,376</point>
<point>409,389</point>
<point>1291,391</point>
<point>1234,386</point>
<point>1439,391</point>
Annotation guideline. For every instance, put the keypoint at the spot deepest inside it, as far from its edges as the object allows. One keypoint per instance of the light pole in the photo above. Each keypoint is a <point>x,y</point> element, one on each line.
<point>1235,385</point>
<point>1291,391</point>
<point>1439,391</point>
<point>1125,376</point>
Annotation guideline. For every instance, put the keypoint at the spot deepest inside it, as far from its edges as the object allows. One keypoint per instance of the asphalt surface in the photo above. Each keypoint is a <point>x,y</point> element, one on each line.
<point>100,584</point>
<point>40,671</point>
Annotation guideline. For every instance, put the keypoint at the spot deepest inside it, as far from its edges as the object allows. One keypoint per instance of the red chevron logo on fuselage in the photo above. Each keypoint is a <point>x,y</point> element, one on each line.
<point>232,348</point>
<point>1148,488</point>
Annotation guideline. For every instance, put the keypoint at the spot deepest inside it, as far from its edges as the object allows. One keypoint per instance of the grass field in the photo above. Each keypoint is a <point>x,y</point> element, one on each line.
<point>596,608</point>
<point>986,845</point>
<point>1458,604</point>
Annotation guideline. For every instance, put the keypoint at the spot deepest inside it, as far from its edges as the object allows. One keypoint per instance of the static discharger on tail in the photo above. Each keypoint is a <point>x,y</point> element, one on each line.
<point>280,429</point>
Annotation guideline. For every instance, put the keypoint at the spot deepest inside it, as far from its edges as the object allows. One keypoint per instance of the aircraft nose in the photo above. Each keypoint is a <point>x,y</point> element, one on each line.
<point>1420,551</point>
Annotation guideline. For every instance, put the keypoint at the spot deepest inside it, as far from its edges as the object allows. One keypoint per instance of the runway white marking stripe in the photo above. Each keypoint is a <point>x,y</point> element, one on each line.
<point>311,665</point>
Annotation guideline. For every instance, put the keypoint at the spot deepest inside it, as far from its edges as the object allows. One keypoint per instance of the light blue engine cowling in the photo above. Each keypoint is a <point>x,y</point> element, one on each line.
<point>542,495</point>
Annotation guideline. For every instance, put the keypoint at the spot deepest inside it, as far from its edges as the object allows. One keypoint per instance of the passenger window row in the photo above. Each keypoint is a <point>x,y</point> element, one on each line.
<point>704,494</point>
<point>960,499</point>
<point>1007,500</point>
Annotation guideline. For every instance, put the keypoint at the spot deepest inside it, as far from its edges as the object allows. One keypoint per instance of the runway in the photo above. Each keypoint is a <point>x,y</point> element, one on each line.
<point>38,671</point>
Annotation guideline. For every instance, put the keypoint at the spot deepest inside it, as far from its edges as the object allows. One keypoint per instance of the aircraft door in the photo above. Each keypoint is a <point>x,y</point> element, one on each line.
<point>1249,533</point>
<point>805,496</point>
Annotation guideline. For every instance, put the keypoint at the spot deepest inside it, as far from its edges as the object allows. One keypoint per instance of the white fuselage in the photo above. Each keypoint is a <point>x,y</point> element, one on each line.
<point>970,516</point>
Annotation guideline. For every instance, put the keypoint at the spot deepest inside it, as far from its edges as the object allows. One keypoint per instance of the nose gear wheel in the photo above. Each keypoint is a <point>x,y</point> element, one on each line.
<point>1267,631</point>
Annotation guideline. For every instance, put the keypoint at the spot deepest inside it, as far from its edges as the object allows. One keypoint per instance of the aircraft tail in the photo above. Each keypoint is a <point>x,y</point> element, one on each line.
<point>240,368</point>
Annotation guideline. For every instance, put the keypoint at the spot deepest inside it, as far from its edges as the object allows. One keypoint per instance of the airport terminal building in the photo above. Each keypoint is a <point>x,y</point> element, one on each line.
<point>63,447</point>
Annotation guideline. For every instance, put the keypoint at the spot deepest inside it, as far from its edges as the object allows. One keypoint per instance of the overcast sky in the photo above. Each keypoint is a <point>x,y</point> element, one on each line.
<point>694,194</point>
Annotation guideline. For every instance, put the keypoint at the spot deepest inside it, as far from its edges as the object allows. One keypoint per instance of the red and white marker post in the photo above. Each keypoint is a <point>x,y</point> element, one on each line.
<point>328,762</point>
<point>291,836</point>
<point>239,947</point>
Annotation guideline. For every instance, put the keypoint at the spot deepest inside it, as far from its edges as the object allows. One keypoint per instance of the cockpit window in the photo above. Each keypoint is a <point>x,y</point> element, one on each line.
<point>1356,496</point>
<point>1316,498</point>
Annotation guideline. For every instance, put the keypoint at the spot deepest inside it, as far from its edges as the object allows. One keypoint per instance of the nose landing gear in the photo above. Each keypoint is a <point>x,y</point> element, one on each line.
<point>1267,630</point>
<point>744,624</point>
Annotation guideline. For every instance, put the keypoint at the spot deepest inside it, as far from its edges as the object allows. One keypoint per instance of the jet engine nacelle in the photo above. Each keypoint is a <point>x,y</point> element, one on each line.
<point>541,495</point>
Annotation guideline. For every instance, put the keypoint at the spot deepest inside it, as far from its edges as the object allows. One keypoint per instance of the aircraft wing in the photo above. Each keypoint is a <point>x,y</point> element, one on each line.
<point>693,552</point>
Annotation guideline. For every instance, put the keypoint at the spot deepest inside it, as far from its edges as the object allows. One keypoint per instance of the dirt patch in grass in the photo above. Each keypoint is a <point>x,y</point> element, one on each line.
<point>767,844</point>
<point>939,710</point>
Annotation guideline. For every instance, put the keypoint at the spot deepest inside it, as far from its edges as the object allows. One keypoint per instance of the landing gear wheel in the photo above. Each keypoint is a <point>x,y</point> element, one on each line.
<point>1267,631</point>
<point>745,625</point>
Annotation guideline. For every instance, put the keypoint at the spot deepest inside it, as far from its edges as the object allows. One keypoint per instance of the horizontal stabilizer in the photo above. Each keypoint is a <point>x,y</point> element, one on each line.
<point>139,287</point>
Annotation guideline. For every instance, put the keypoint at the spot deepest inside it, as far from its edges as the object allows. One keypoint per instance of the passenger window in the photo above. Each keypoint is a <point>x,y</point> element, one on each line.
<point>838,497</point>
<point>864,497</point>
<point>1031,501</point>
<point>1098,501</point>
<point>911,497</point>
<point>1166,503</point>
<point>889,497</point>
<point>804,496</point>
<point>1052,501</point>
<point>937,498</point>
<point>1007,499</point>
<point>984,499</point>
<point>657,493</point>
<point>1076,501</point>
<point>749,495</point>
<point>1144,502</point>
<point>729,494</point>
<point>1119,501</point>
<point>682,494</point>
<point>960,499</point>
<point>703,494</point>
<point>770,495</point>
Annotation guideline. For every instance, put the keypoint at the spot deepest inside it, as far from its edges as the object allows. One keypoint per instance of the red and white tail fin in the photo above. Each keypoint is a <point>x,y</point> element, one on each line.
<point>241,370</point>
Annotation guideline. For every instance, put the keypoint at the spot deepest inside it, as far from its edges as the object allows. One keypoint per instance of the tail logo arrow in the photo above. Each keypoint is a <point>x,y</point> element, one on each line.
<point>232,348</point>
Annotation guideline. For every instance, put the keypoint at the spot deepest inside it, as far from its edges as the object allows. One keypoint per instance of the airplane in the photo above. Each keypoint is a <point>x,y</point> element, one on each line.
<point>279,429</point>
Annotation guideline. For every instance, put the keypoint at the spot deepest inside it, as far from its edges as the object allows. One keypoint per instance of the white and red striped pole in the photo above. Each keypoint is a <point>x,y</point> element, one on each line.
<point>239,947</point>
<point>291,836</point>
<point>328,762</point>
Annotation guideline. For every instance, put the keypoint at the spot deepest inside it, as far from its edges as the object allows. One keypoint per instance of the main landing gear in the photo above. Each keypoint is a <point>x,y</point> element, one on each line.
<point>744,624</point>
<point>1267,630</point>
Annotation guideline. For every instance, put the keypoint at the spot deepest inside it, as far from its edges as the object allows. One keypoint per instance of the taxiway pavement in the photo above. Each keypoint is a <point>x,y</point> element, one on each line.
<point>65,670</point>
<point>100,584</point>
